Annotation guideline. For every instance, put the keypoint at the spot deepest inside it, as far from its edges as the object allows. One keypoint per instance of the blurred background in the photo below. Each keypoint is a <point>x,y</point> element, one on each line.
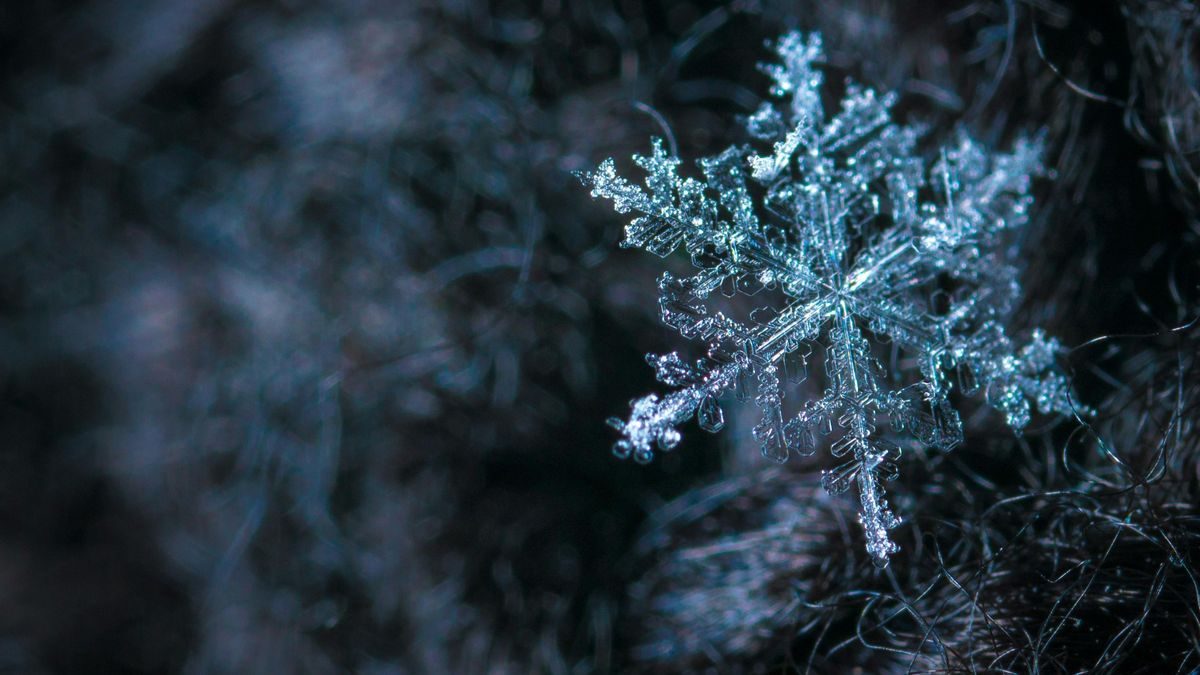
<point>308,335</point>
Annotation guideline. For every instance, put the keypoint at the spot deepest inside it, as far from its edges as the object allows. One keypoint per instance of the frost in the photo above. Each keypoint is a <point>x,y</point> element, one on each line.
<point>865,243</point>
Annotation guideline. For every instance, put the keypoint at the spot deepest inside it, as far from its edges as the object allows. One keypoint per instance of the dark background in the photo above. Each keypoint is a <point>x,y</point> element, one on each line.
<point>308,334</point>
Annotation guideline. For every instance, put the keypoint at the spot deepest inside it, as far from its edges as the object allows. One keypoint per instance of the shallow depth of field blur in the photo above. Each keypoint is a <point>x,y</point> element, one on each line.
<point>308,334</point>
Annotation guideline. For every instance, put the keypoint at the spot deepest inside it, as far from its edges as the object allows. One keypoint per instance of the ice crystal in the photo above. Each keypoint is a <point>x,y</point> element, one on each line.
<point>864,243</point>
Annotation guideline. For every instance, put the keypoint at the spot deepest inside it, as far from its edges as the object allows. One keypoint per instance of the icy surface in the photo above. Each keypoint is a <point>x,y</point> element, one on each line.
<point>868,248</point>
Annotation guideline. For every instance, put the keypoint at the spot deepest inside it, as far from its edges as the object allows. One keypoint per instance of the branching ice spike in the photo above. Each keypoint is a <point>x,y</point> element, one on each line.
<point>865,241</point>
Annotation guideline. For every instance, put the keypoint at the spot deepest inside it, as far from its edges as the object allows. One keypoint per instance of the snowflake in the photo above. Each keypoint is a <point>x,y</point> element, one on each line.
<point>863,244</point>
